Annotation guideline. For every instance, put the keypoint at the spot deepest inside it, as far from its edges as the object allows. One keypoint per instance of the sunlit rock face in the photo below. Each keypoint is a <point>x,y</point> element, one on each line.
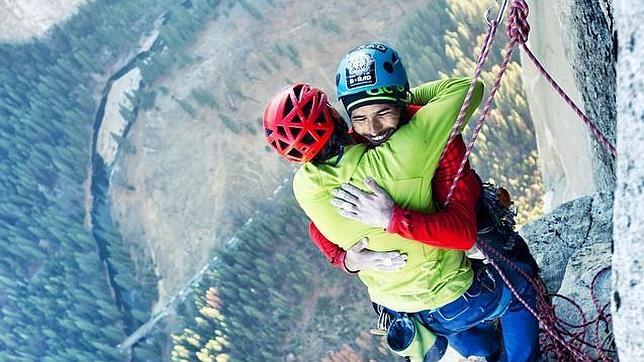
<point>628,217</point>
<point>21,20</point>
<point>565,150</point>
<point>590,45</point>
<point>575,41</point>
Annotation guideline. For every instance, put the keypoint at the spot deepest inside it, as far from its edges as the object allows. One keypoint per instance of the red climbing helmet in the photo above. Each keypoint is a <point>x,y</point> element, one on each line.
<point>298,122</point>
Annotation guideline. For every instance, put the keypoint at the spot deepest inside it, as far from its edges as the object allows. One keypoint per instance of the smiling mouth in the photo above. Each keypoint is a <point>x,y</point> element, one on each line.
<point>381,137</point>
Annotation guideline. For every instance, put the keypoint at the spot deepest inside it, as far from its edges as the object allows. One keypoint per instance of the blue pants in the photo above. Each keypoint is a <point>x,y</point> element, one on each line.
<point>469,322</point>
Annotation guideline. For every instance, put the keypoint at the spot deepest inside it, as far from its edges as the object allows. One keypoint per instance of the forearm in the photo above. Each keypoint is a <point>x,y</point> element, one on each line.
<point>454,227</point>
<point>333,253</point>
<point>447,90</point>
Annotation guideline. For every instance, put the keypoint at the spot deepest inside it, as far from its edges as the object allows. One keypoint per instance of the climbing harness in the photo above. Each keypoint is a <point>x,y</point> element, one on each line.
<point>495,214</point>
<point>564,343</point>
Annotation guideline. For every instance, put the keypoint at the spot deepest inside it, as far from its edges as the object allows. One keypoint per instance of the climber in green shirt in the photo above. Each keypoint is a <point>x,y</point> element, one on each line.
<point>301,126</point>
<point>404,166</point>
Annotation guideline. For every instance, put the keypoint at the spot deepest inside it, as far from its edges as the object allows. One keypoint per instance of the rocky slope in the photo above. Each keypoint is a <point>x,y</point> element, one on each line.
<point>571,227</point>
<point>21,20</point>
<point>572,245</point>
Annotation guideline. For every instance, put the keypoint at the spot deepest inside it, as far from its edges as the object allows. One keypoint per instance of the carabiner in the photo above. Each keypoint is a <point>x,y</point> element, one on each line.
<point>499,17</point>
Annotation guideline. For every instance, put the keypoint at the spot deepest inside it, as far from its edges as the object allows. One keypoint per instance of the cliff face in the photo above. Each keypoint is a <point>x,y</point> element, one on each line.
<point>575,242</point>
<point>590,45</point>
<point>564,144</point>
<point>628,217</point>
<point>575,40</point>
<point>574,237</point>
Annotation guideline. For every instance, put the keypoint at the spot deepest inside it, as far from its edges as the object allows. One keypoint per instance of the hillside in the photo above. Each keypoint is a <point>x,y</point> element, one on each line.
<point>21,20</point>
<point>96,250</point>
<point>200,145</point>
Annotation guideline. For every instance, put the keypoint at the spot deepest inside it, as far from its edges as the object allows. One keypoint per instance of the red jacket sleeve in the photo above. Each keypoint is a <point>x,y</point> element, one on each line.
<point>454,227</point>
<point>333,253</point>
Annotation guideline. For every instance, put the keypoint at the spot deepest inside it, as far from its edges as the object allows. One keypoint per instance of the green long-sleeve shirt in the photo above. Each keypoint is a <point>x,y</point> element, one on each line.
<point>404,166</point>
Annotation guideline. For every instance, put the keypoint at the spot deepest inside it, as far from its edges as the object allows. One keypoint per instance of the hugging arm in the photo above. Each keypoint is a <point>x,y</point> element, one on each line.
<point>358,257</point>
<point>453,228</point>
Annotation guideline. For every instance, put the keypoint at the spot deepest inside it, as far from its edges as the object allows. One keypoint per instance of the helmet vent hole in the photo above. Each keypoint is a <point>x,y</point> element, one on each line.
<point>394,57</point>
<point>295,153</point>
<point>288,107</point>
<point>296,131</point>
<point>388,67</point>
<point>282,145</point>
<point>296,119</point>
<point>337,79</point>
<point>281,131</point>
<point>322,119</point>
<point>307,107</point>
<point>308,139</point>
<point>298,90</point>
<point>268,132</point>
<point>320,132</point>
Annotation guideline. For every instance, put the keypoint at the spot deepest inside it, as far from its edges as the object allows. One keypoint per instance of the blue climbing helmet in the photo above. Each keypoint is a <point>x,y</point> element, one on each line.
<point>371,73</point>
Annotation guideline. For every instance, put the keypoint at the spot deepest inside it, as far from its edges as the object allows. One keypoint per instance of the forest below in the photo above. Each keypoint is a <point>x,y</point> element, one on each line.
<point>70,288</point>
<point>315,306</point>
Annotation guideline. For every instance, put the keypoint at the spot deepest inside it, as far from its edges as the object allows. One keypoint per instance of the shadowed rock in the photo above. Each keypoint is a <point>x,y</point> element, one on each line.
<point>555,237</point>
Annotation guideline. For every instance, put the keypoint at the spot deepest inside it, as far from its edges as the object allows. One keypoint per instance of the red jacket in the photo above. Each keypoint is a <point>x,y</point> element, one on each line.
<point>452,228</point>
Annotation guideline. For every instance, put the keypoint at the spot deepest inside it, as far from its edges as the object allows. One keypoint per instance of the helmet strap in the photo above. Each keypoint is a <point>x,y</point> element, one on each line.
<point>402,104</point>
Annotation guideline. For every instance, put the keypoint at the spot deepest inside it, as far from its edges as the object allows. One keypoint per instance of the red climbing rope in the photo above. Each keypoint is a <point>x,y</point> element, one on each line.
<point>560,338</point>
<point>546,311</point>
<point>593,128</point>
<point>493,25</point>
